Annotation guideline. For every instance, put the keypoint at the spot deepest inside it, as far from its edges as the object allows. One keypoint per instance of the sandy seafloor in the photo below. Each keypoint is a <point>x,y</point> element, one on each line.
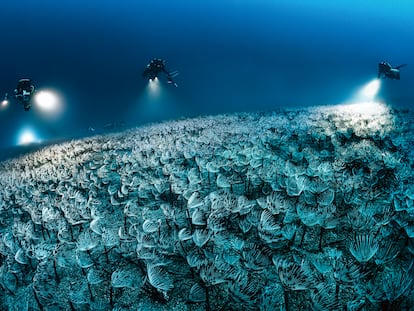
<point>308,209</point>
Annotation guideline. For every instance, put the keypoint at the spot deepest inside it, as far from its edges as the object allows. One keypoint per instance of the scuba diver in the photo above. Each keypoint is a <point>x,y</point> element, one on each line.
<point>24,92</point>
<point>155,67</point>
<point>386,70</point>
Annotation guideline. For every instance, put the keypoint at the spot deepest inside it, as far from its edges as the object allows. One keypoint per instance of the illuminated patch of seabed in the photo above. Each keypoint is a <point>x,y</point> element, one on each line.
<point>363,118</point>
<point>363,112</point>
<point>27,135</point>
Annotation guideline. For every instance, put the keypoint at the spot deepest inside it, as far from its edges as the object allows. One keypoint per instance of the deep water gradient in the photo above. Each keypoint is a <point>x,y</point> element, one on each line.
<point>233,56</point>
<point>300,209</point>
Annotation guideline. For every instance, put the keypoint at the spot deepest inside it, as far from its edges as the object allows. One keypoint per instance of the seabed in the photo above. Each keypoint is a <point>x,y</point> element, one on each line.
<point>309,209</point>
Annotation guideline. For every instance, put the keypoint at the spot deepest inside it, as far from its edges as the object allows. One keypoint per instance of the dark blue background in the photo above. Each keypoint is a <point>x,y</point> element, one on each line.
<point>244,55</point>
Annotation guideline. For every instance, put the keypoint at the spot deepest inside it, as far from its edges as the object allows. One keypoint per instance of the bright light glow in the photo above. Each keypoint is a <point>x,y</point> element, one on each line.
<point>369,91</point>
<point>366,109</point>
<point>154,86</point>
<point>364,118</point>
<point>363,112</point>
<point>4,103</point>
<point>363,102</point>
<point>48,102</point>
<point>27,136</point>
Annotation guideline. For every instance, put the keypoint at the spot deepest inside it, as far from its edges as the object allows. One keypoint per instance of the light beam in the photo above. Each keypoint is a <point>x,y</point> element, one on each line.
<point>368,92</point>
<point>154,87</point>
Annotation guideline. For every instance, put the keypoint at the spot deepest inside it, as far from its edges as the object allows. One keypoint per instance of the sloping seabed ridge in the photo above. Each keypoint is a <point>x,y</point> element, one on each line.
<point>305,209</point>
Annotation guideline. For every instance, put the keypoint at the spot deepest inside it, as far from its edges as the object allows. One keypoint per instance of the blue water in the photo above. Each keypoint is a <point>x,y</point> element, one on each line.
<point>232,56</point>
<point>147,219</point>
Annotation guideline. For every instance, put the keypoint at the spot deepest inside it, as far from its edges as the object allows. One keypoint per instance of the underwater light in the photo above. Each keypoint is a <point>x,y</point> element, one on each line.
<point>154,86</point>
<point>47,100</point>
<point>5,101</point>
<point>27,136</point>
<point>369,91</point>
<point>48,103</point>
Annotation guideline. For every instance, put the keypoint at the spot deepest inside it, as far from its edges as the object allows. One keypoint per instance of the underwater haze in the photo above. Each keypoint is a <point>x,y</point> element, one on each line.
<point>232,56</point>
<point>278,175</point>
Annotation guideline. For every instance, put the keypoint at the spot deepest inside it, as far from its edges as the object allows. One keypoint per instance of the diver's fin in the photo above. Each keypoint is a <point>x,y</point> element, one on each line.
<point>173,74</point>
<point>400,66</point>
<point>171,81</point>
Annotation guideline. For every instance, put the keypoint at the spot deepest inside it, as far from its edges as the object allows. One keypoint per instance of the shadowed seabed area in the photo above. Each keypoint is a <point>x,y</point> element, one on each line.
<point>295,209</point>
